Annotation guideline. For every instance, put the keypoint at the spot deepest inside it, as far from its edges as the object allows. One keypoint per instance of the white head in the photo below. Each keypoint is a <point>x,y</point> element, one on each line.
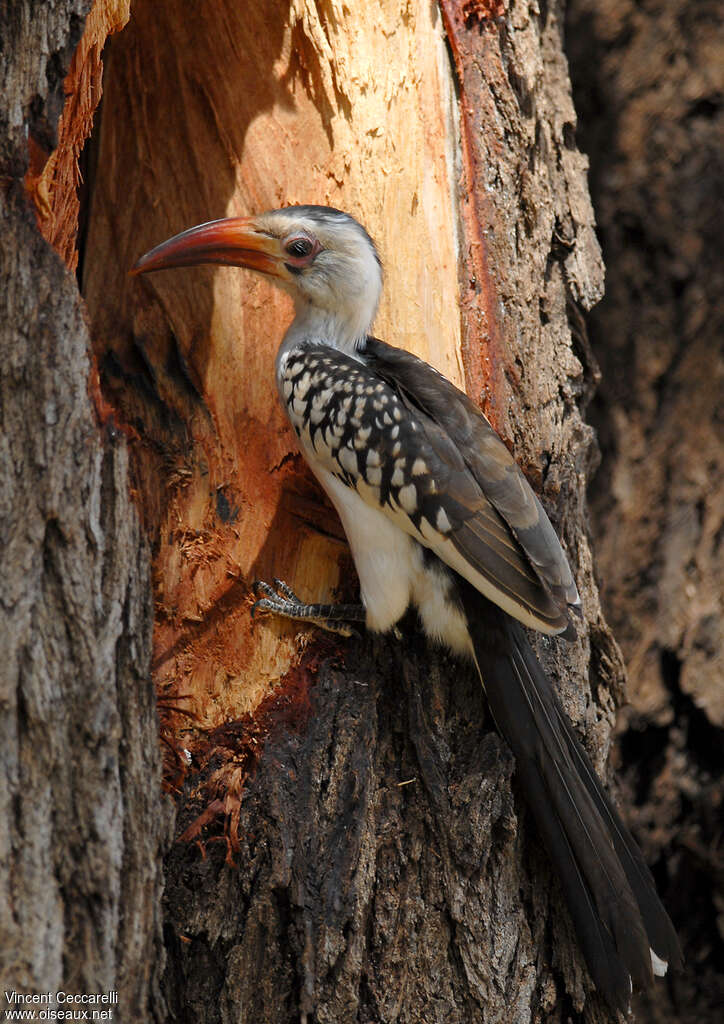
<point>321,256</point>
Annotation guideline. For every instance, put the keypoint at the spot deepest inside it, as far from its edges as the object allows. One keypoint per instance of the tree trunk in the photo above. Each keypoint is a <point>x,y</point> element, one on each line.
<point>350,842</point>
<point>649,81</point>
<point>83,822</point>
<point>376,868</point>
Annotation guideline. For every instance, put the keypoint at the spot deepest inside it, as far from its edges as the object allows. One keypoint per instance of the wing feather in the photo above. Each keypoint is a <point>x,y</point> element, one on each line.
<point>488,460</point>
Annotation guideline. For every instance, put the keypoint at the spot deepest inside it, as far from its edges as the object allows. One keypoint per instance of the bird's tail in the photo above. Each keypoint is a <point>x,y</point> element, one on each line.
<point>624,932</point>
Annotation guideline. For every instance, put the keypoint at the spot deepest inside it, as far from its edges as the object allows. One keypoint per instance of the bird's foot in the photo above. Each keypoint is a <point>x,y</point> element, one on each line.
<point>280,599</point>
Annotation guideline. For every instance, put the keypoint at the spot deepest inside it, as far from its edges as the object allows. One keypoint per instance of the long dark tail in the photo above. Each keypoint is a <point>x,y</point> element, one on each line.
<point>618,917</point>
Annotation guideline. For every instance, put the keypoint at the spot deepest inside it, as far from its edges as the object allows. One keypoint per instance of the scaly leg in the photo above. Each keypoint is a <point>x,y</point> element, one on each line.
<point>281,600</point>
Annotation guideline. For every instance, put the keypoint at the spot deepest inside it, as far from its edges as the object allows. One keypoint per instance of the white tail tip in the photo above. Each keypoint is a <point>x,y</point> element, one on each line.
<point>659,966</point>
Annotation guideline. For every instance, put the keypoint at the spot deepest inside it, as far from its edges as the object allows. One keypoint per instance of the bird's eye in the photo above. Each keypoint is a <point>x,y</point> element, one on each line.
<point>299,247</point>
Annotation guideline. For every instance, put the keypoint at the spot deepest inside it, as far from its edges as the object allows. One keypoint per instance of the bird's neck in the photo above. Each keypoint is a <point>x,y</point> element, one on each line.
<point>344,330</point>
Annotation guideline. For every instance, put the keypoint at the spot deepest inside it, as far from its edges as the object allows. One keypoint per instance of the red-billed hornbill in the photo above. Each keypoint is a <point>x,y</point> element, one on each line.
<point>439,517</point>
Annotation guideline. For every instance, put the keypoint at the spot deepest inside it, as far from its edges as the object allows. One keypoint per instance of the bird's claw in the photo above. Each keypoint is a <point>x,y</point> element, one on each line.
<point>263,605</point>
<point>280,599</point>
<point>275,599</point>
<point>286,590</point>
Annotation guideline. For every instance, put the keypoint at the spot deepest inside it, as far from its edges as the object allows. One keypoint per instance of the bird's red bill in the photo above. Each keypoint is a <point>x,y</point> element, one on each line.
<point>234,241</point>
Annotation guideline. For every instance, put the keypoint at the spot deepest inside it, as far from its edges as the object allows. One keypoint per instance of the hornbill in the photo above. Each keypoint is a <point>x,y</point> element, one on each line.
<point>439,517</point>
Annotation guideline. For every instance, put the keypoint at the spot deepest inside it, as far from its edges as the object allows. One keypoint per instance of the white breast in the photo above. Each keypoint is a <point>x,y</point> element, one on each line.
<point>393,571</point>
<point>387,560</point>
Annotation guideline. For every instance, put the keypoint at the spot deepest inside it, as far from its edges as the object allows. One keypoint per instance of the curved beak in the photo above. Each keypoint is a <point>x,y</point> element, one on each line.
<point>234,241</point>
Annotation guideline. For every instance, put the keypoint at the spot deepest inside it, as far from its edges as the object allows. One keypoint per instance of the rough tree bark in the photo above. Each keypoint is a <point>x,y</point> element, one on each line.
<point>375,862</point>
<point>83,822</point>
<point>648,84</point>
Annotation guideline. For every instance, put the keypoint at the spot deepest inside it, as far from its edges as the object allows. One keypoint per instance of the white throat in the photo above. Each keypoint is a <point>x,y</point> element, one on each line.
<point>341,328</point>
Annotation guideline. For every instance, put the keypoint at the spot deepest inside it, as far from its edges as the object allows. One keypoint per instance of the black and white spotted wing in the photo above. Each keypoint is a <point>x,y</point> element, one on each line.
<point>373,425</point>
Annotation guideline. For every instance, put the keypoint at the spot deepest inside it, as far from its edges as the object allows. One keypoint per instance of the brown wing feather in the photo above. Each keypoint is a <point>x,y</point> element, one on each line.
<point>492,468</point>
<point>478,532</point>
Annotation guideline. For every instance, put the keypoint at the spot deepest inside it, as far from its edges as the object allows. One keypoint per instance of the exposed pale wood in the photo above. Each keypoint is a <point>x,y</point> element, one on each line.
<point>52,179</point>
<point>350,105</point>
